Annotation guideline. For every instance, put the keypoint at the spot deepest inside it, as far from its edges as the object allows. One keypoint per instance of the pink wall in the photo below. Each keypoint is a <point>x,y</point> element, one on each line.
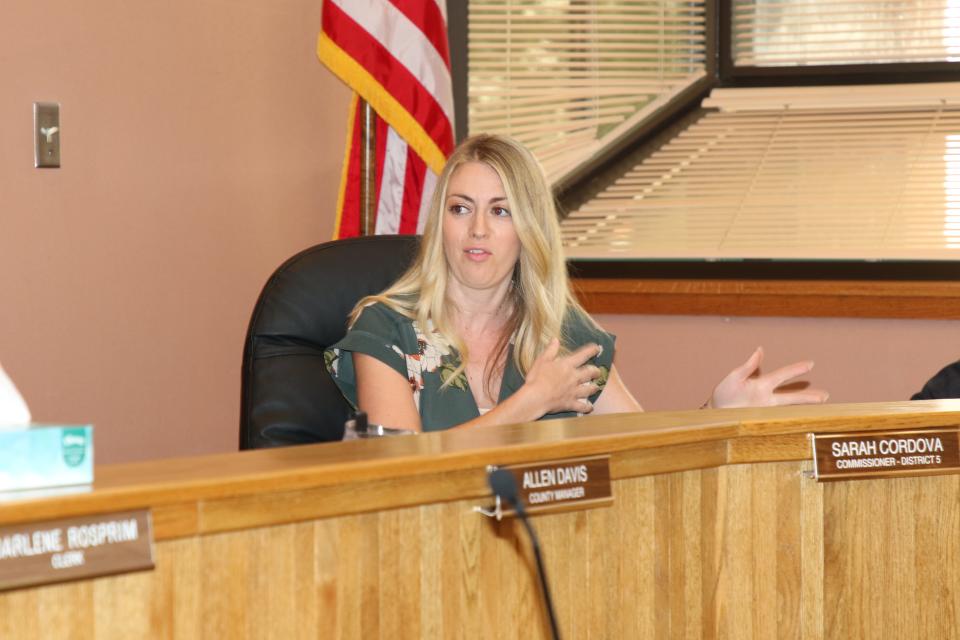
<point>202,145</point>
<point>673,362</point>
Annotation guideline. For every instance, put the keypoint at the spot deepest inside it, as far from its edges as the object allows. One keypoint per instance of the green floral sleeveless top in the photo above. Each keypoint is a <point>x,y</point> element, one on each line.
<point>397,341</point>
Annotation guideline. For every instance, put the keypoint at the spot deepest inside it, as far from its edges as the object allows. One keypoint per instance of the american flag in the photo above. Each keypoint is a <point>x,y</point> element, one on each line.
<point>394,55</point>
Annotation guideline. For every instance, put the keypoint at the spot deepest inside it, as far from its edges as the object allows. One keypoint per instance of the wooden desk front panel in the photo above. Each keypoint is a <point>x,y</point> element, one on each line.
<point>739,551</point>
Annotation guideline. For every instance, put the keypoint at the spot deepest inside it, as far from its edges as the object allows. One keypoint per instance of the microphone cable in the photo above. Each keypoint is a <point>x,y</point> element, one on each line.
<point>504,486</point>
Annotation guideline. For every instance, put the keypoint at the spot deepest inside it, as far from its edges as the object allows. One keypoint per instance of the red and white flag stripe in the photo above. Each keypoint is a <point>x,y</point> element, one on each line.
<point>394,54</point>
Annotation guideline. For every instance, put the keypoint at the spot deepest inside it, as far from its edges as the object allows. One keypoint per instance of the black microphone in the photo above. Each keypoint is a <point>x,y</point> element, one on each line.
<point>504,487</point>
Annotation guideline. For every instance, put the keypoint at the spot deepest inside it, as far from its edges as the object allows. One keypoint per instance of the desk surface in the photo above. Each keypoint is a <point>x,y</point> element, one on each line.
<point>362,475</point>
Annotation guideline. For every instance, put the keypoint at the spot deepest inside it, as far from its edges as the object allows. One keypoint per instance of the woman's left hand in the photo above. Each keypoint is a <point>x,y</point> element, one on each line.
<point>745,387</point>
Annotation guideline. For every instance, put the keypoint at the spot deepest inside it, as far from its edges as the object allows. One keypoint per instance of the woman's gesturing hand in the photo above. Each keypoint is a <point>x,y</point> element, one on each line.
<point>745,387</point>
<point>563,383</point>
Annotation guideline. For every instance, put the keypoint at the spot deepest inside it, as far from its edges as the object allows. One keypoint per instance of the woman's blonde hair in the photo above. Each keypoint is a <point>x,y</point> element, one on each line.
<point>539,298</point>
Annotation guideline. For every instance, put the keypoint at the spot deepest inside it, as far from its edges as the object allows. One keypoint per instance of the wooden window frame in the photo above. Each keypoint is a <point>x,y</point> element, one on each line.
<point>904,299</point>
<point>766,288</point>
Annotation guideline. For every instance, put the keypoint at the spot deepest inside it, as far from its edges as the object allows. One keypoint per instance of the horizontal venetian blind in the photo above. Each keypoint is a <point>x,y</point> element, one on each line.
<point>565,77</point>
<point>807,173</point>
<point>769,33</point>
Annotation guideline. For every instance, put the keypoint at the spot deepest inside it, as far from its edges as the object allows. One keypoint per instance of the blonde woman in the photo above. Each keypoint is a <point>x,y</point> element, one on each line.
<point>483,328</point>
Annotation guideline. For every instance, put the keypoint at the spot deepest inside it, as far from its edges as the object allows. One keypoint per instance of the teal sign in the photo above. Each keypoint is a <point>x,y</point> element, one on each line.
<point>74,445</point>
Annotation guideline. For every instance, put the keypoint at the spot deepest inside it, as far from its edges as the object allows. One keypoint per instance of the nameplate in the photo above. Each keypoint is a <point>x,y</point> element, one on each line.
<point>849,456</point>
<point>70,549</point>
<point>563,485</point>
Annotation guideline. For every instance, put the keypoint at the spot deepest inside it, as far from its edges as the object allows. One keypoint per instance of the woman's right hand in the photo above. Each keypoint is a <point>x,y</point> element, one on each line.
<point>563,383</point>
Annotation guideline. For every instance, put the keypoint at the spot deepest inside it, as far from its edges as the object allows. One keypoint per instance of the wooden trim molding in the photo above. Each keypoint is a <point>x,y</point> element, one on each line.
<point>226,492</point>
<point>935,300</point>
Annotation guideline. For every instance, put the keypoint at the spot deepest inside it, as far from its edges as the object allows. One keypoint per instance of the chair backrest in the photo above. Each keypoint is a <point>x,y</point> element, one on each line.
<point>287,396</point>
<point>944,385</point>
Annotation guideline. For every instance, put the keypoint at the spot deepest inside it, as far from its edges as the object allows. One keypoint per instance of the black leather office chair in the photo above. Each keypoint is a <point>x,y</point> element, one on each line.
<point>287,396</point>
<point>946,384</point>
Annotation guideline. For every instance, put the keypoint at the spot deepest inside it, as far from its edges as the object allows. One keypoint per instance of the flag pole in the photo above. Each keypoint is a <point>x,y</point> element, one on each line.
<point>368,170</point>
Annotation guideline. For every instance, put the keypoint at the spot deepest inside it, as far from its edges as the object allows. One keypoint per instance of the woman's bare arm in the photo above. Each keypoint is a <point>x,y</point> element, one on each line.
<point>616,398</point>
<point>554,383</point>
<point>384,394</point>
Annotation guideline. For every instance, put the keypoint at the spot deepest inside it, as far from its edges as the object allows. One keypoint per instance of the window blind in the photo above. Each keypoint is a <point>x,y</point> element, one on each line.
<point>565,77</point>
<point>804,173</point>
<point>770,33</point>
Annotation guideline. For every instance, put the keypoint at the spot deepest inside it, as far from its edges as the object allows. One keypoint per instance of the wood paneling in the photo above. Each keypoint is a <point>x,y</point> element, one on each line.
<point>739,551</point>
<point>908,553</point>
<point>721,536</point>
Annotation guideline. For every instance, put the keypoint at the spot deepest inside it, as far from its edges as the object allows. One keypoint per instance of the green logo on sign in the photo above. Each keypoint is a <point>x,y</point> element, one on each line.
<point>74,445</point>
